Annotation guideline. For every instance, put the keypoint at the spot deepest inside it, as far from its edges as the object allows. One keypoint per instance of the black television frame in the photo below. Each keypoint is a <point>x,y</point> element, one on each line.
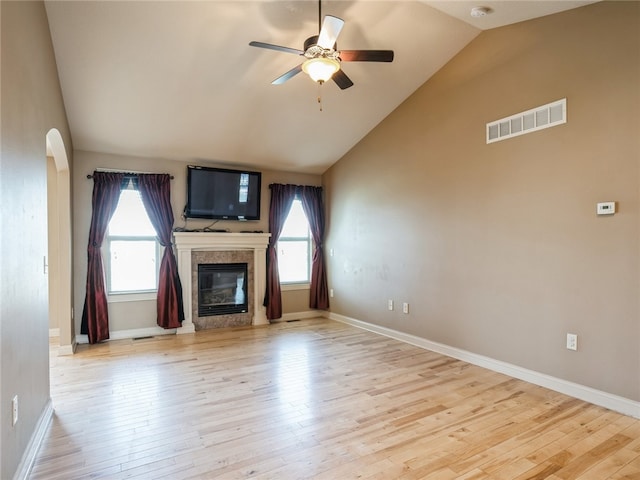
<point>217,215</point>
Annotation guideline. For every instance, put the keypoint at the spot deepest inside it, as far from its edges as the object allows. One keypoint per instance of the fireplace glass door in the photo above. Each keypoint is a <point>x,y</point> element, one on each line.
<point>222,289</point>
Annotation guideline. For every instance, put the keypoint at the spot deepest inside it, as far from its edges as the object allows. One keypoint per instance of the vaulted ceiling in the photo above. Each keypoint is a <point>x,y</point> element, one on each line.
<point>178,80</point>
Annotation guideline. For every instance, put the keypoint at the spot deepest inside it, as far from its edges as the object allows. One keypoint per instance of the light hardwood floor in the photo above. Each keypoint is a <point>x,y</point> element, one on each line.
<point>315,399</point>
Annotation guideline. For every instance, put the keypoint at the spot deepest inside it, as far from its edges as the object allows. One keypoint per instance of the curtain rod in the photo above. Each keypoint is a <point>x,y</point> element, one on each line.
<point>294,185</point>
<point>128,174</point>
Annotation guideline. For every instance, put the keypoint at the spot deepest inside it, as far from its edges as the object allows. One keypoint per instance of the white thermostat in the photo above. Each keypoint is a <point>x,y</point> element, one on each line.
<point>606,208</point>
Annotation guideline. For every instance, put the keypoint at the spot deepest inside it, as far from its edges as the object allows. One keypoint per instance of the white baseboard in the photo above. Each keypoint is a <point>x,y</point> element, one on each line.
<point>288,317</point>
<point>607,400</point>
<point>132,333</point>
<point>29,456</point>
<point>155,331</point>
<point>64,350</point>
<point>188,328</point>
<point>54,332</point>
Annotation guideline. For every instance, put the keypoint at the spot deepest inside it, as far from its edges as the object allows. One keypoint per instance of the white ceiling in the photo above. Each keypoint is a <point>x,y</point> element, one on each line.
<point>178,80</point>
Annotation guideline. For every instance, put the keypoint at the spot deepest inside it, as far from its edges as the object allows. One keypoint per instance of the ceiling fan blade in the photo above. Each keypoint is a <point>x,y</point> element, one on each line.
<point>286,76</point>
<point>342,80</point>
<point>329,32</point>
<point>276,47</point>
<point>366,55</point>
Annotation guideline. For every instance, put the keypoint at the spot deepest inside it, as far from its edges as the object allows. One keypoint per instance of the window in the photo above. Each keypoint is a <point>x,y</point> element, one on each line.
<point>294,247</point>
<point>243,191</point>
<point>132,249</point>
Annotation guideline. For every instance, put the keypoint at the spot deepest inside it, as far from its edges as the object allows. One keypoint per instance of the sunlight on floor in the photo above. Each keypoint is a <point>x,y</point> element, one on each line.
<point>294,380</point>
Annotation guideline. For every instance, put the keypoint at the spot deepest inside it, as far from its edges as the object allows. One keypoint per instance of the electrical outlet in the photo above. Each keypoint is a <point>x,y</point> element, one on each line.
<point>405,308</point>
<point>331,292</point>
<point>14,410</point>
<point>390,305</point>
<point>572,341</point>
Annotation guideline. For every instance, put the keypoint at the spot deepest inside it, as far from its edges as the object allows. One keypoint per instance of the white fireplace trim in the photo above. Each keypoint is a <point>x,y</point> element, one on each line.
<point>186,242</point>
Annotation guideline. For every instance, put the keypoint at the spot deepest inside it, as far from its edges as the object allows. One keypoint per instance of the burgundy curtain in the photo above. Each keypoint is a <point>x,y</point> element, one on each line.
<point>282,197</point>
<point>311,198</point>
<point>155,191</point>
<point>106,193</point>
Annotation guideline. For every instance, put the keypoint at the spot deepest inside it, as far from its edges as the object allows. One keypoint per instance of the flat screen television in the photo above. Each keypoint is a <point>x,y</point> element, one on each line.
<point>220,193</point>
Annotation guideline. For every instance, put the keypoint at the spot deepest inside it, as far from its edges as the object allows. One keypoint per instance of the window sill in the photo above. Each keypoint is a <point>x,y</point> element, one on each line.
<point>131,297</point>
<point>294,286</point>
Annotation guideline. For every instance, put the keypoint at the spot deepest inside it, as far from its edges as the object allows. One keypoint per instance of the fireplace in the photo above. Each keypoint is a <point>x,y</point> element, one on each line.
<point>222,289</point>
<point>196,248</point>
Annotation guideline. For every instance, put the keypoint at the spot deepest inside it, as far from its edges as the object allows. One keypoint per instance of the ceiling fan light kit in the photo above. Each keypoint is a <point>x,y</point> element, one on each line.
<point>320,69</point>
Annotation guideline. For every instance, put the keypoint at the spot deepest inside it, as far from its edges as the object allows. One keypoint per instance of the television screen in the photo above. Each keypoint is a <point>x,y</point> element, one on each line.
<point>219,193</point>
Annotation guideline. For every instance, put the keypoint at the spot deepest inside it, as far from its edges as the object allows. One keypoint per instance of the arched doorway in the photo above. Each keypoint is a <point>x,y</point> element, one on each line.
<point>60,254</point>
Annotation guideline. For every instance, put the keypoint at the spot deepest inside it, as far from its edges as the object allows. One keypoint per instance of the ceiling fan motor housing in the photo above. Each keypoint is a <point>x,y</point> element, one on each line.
<point>313,50</point>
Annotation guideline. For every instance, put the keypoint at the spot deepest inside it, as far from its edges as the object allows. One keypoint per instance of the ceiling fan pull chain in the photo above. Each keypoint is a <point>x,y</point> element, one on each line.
<point>320,95</point>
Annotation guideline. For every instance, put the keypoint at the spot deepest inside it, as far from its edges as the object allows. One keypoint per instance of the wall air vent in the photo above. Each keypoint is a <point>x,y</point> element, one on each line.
<point>546,116</point>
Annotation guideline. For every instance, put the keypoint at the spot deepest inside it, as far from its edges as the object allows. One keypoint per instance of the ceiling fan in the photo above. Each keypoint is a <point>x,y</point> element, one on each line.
<point>322,57</point>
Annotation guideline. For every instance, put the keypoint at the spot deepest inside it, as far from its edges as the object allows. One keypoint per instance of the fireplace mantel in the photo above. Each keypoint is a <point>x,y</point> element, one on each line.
<point>187,242</point>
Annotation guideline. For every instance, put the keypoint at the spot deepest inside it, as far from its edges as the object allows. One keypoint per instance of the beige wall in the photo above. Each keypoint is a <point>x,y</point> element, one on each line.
<point>142,314</point>
<point>53,245</point>
<point>497,248</point>
<point>31,106</point>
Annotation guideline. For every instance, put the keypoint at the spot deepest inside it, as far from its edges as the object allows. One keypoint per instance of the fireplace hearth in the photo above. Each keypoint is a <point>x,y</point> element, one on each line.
<point>222,289</point>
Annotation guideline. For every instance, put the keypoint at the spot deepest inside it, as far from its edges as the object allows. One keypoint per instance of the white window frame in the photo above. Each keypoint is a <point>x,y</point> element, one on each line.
<point>132,295</point>
<point>304,285</point>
